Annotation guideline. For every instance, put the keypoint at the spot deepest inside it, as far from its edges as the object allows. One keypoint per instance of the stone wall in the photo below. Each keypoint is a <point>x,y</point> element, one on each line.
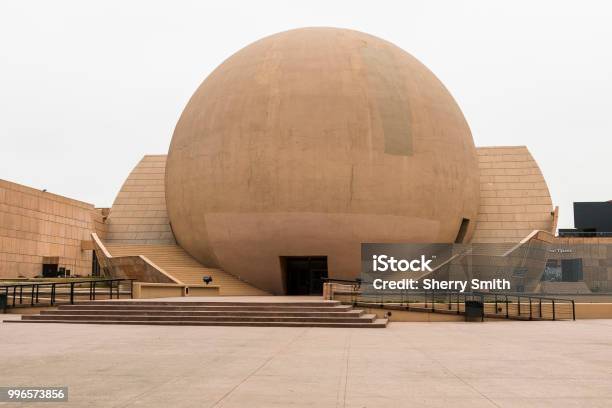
<point>36,224</point>
<point>596,255</point>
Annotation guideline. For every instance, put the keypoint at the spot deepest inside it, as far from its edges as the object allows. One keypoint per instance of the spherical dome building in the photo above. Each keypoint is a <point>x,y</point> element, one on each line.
<point>310,142</point>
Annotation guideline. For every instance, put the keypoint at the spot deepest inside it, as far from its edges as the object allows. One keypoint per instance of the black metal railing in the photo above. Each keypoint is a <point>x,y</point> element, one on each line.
<point>584,234</point>
<point>497,305</point>
<point>502,305</point>
<point>52,293</point>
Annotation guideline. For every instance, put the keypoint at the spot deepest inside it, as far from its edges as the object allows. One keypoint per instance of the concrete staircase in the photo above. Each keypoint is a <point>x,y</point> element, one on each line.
<point>219,313</point>
<point>186,270</point>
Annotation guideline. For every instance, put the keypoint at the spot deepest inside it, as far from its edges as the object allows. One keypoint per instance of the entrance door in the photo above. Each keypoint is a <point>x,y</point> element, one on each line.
<point>50,271</point>
<point>303,274</point>
<point>571,270</point>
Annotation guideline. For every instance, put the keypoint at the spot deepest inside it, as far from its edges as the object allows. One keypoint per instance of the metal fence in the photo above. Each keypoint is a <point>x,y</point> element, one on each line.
<point>32,294</point>
<point>519,306</point>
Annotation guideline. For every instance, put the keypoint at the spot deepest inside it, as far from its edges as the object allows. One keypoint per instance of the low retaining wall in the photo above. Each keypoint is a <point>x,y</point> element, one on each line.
<point>593,310</point>
<point>202,290</point>
<point>410,316</point>
<point>146,290</point>
<point>583,311</point>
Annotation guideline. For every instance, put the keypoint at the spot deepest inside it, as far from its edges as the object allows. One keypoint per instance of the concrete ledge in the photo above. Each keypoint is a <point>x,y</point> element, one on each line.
<point>147,290</point>
<point>593,310</point>
<point>201,290</point>
<point>410,316</point>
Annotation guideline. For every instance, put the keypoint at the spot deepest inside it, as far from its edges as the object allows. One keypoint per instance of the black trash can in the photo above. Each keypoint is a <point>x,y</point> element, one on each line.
<point>3,302</point>
<point>474,309</point>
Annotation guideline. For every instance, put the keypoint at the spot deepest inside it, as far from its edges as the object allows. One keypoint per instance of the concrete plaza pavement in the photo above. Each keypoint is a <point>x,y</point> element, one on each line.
<point>492,364</point>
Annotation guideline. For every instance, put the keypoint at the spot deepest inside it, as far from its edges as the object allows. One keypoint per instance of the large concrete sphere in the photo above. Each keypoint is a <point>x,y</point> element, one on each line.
<point>310,142</point>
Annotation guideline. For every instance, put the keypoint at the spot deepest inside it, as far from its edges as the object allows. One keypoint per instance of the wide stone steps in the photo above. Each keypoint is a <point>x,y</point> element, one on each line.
<point>189,303</point>
<point>379,323</point>
<point>369,318</point>
<point>198,313</point>
<point>179,264</point>
<point>220,313</point>
<point>221,308</point>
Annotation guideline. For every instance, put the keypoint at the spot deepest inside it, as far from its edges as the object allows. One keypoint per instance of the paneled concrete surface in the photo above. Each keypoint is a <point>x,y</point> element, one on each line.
<point>139,215</point>
<point>514,197</point>
<point>508,364</point>
<point>36,224</point>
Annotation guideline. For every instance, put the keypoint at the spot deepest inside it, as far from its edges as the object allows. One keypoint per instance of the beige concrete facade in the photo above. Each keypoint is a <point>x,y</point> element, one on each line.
<point>138,215</point>
<point>514,197</point>
<point>310,142</point>
<point>508,196</point>
<point>36,224</point>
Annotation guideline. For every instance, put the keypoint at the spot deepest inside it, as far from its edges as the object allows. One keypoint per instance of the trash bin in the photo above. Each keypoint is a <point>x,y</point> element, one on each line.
<point>474,309</point>
<point>3,301</point>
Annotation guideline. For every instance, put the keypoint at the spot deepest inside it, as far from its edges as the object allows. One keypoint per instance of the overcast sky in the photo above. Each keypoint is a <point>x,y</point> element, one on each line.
<point>87,88</point>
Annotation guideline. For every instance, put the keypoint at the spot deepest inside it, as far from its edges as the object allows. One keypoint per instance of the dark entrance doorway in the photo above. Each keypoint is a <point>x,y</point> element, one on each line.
<point>571,270</point>
<point>303,274</point>
<point>50,266</point>
<point>50,271</point>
